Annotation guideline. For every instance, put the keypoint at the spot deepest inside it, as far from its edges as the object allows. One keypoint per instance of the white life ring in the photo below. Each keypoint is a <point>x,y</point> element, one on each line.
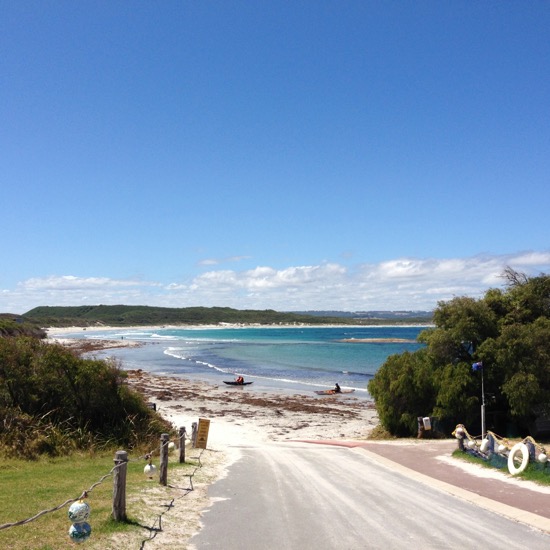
<point>518,448</point>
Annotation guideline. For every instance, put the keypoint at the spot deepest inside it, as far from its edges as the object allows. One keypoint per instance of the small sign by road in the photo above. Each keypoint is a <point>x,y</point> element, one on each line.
<point>202,433</point>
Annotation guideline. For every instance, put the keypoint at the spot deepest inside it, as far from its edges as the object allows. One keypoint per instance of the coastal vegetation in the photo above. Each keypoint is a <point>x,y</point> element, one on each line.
<point>506,334</point>
<point>15,325</point>
<point>54,402</point>
<point>122,315</point>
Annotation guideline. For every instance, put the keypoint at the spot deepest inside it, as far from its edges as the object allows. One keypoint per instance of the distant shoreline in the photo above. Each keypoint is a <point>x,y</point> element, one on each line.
<point>53,331</point>
<point>378,340</point>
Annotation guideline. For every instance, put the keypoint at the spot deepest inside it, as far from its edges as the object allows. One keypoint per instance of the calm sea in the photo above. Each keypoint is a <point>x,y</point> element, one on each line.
<point>284,359</point>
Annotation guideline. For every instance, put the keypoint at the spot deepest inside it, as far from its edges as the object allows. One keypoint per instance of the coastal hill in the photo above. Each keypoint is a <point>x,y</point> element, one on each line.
<point>416,316</point>
<point>121,315</point>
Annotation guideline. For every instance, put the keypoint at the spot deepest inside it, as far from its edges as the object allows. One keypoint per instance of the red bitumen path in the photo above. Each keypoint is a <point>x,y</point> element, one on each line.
<point>431,462</point>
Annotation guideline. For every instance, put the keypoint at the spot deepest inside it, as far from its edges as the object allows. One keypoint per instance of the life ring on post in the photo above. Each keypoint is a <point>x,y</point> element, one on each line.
<point>518,448</point>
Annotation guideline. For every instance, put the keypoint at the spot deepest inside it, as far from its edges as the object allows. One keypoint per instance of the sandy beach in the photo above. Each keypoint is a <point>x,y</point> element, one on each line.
<point>260,416</point>
<point>263,415</point>
<point>238,415</point>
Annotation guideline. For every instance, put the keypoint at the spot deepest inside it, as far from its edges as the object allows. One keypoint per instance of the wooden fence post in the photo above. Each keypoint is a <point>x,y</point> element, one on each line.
<point>163,472</point>
<point>194,433</point>
<point>182,445</point>
<point>119,486</point>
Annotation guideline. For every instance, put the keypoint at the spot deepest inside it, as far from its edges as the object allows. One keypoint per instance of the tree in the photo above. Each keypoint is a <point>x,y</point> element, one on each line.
<point>508,331</point>
<point>403,389</point>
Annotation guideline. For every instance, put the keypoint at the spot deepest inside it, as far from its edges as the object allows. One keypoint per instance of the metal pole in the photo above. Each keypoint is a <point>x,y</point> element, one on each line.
<point>482,407</point>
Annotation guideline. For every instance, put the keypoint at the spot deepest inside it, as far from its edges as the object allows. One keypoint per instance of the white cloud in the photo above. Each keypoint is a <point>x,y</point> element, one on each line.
<point>69,282</point>
<point>403,283</point>
<point>534,259</point>
<point>218,261</point>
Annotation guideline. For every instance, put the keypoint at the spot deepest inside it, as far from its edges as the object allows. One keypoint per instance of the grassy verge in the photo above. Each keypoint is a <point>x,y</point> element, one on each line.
<point>27,488</point>
<point>535,472</point>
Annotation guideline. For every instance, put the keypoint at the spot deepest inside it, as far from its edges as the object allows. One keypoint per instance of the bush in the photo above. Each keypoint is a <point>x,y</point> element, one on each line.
<point>54,401</point>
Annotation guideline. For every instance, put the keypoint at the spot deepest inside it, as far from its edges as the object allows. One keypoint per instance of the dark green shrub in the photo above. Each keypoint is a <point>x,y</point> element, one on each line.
<point>53,401</point>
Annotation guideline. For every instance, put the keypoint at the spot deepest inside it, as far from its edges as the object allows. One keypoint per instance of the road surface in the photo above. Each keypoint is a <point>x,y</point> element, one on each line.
<point>302,496</point>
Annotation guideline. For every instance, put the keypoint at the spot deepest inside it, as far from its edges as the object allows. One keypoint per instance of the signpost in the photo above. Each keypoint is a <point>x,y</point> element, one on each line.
<point>202,433</point>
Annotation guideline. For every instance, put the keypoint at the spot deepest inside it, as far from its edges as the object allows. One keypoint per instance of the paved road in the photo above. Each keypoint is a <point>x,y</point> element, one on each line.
<point>302,496</point>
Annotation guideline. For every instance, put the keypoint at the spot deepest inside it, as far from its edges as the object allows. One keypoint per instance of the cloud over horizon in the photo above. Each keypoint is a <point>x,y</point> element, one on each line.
<point>400,284</point>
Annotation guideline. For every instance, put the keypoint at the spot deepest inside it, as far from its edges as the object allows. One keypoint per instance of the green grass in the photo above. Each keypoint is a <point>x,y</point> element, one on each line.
<point>27,488</point>
<point>535,472</point>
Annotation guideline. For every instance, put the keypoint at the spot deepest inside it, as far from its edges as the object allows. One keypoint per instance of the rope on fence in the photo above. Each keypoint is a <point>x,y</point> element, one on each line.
<point>56,508</point>
<point>147,456</point>
<point>186,491</point>
<point>82,496</point>
<point>461,432</point>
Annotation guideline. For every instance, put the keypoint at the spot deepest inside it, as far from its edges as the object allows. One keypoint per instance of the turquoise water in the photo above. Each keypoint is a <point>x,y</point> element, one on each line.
<point>304,358</point>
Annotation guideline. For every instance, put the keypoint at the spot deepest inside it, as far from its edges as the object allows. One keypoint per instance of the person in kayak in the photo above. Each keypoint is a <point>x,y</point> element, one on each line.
<point>337,388</point>
<point>239,380</point>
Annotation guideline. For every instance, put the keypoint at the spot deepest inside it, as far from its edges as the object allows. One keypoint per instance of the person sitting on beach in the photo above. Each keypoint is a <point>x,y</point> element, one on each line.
<point>239,380</point>
<point>337,388</point>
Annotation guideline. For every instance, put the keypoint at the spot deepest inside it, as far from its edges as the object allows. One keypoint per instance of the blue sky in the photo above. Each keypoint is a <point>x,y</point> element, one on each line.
<point>288,155</point>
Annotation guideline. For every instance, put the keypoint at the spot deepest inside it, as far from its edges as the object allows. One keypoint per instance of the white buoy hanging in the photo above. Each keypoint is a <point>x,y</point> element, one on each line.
<point>150,469</point>
<point>78,513</point>
<point>171,446</point>
<point>542,458</point>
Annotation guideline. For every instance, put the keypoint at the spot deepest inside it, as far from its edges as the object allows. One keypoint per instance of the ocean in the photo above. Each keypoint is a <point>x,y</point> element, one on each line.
<point>286,359</point>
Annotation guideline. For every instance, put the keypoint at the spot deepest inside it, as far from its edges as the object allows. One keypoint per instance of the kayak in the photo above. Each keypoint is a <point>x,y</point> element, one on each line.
<point>332,392</point>
<point>233,383</point>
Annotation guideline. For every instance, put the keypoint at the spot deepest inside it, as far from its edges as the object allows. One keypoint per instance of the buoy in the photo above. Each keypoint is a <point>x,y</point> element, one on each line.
<point>501,448</point>
<point>171,446</point>
<point>150,470</point>
<point>542,458</point>
<point>518,448</point>
<point>471,443</point>
<point>484,445</point>
<point>79,511</point>
<point>79,532</point>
